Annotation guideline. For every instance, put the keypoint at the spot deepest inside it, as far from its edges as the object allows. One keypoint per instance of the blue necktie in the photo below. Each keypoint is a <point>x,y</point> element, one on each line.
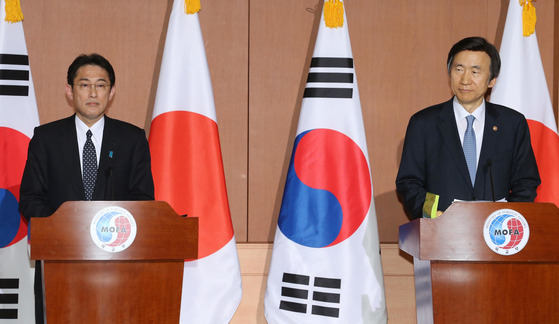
<point>470,148</point>
<point>89,166</point>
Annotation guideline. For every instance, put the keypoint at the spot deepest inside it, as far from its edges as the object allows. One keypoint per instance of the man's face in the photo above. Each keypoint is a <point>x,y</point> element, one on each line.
<point>90,93</point>
<point>469,78</point>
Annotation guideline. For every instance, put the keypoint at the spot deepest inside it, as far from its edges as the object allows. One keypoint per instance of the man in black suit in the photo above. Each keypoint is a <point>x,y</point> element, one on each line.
<point>53,172</point>
<point>54,169</point>
<point>433,160</point>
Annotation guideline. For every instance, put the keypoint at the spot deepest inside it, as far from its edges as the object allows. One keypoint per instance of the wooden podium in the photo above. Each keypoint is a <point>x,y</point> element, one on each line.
<point>83,283</point>
<point>459,279</point>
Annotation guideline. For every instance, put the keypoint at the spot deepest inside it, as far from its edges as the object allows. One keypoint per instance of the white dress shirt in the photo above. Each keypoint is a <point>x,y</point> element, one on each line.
<point>460,113</point>
<point>97,137</point>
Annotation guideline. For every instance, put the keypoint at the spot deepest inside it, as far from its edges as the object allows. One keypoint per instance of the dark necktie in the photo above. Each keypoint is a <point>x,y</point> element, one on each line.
<point>89,166</point>
<point>470,148</point>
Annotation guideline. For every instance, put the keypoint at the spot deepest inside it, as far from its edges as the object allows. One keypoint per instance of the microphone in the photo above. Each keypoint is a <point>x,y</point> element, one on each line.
<point>490,167</point>
<point>109,189</point>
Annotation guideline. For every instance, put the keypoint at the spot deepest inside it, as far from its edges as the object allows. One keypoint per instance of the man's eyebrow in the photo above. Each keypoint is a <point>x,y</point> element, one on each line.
<point>89,80</point>
<point>473,66</point>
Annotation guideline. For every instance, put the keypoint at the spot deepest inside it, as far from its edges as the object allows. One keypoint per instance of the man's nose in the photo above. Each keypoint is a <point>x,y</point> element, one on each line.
<point>466,78</point>
<point>93,91</point>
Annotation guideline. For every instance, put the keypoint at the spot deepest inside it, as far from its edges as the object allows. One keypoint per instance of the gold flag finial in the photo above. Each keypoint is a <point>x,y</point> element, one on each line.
<point>528,17</point>
<point>191,6</point>
<point>13,11</point>
<point>334,13</point>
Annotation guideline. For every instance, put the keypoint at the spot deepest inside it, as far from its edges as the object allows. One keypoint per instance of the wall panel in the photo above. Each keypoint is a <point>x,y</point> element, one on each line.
<point>281,45</point>
<point>131,35</point>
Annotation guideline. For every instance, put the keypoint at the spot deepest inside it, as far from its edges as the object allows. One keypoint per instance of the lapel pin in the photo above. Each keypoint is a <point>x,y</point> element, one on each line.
<point>495,128</point>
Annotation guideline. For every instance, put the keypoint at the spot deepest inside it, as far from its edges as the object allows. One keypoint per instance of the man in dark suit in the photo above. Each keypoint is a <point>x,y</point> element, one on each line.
<point>62,157</point>
<point>503,166</point>
<point>53,172</point>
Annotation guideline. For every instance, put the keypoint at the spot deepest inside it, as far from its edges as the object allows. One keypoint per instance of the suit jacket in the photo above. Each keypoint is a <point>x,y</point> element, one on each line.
<point>52,173</point>
<point>433,159</point>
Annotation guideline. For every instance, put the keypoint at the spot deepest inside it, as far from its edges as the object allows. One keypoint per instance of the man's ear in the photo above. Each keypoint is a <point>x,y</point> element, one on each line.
<point>112,93</point>
<point>69,92</point>
<point>492,83</point>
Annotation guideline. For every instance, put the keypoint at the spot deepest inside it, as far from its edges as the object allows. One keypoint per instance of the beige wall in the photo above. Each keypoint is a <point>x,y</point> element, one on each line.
<point>259,53</point>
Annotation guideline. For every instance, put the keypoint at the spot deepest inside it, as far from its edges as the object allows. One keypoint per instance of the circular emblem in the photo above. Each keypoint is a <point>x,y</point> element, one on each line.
<point>506,232</point>
<point>113,229</point>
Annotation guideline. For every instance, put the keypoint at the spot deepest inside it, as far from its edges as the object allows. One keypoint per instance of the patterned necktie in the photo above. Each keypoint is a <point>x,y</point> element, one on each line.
<point>470,148</point>
<point>89,166</point>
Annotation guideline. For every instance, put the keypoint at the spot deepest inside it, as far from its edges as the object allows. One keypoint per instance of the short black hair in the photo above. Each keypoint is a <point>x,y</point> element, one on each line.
<point>90,59</point>
<point>477,44</point>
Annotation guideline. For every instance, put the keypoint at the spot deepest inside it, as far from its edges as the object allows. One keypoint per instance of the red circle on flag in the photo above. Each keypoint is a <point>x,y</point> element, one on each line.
<point>188,174</point>
<point>12,162</point>
<point>329,160</point>
<point>545,143</point>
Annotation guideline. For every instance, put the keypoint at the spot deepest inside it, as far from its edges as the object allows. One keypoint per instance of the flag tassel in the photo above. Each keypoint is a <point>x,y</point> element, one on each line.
<point>528,17</point>
<point>191,6</point>
<point>334,13</point>
<point>13,11</point>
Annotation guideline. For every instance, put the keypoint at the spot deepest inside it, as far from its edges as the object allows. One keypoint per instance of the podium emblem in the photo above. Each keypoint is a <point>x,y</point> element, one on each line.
<point>506,232</point>
<point>113,229</point>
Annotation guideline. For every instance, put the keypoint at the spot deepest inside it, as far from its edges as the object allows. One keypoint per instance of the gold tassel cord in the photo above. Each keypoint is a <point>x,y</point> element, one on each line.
<point>13,11</point>
<point>334,13</point>
<point>528,17</point>
<point>191,6</point>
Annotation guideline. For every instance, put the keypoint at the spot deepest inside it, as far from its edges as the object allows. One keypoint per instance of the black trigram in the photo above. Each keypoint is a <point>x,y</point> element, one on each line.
<point>14,82</point>
<point>322,297</point>
<point>8,300</point>
<point>334,71</point>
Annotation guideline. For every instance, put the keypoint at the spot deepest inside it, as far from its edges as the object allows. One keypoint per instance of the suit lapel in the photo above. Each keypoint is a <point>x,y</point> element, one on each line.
<point>69,151</point>
<point>449,132</point>
<point>109,150</point>
<point>490,138</point>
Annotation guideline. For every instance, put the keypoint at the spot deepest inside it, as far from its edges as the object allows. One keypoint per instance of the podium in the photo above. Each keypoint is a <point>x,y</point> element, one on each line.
<point>85,282</point>
<point>460,279</point>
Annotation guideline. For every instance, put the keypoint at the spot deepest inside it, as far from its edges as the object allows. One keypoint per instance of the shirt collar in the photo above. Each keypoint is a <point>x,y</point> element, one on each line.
<point>462,113</point>
<point>96,129</point>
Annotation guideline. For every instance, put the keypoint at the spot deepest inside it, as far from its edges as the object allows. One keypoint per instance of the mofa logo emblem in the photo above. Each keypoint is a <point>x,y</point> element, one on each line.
<point>506,232</point>
<point>113,229</point>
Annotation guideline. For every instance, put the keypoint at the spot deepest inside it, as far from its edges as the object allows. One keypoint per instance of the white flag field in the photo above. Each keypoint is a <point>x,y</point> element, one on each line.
<point>326,265</point>
<point>188,170</point>
<point>522,86</point>
<point>18,117</point>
